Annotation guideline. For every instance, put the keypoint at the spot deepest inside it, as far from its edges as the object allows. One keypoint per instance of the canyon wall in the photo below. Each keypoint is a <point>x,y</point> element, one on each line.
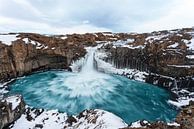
<point>167,57</point>
<point>33,52</point>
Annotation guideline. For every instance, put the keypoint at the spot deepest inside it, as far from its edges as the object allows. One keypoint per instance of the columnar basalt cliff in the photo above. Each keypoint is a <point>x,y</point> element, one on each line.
<point>167,56</point>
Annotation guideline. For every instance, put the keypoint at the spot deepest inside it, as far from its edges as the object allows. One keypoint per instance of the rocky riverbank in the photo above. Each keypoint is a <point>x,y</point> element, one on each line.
<point>16,115</point>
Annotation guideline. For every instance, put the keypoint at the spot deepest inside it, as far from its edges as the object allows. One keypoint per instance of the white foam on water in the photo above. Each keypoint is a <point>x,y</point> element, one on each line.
<point>88,82</point>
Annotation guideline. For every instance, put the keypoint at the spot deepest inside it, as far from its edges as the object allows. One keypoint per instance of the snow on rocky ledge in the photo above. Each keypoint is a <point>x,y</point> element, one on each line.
<point>90,119</point>
<point>14,101</point>
<point>8,38</point>
<point>98,119</point>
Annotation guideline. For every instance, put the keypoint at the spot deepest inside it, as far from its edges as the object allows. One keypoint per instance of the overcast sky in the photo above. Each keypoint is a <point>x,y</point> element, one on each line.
<point>80,16</point>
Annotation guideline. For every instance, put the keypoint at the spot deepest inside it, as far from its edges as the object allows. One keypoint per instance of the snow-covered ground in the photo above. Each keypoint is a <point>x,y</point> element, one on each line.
<point>191,44</point>
<point>37,44</point>
<point>52,119</point>
<point>156,37</point>
<point>190,56</point>
<point>182,101</point>
<point>121,43</point>
<point>47,119</point>
<point>173,45</point>
<point>8,38</point>
<point>98,119</point>
<point>14,101</point>
<point>137,124</point>
<point>182,66</point>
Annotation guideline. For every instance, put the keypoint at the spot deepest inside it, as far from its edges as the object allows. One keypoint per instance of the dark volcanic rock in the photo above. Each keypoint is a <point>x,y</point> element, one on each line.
<point>11,108</point>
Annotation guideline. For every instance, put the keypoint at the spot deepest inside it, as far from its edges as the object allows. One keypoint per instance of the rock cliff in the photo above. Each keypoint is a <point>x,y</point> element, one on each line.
<point>11,108</point>
<point>167,56</point>
<point>33,52</point>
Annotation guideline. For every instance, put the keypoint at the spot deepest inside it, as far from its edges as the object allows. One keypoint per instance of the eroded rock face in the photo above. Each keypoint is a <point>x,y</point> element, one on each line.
<point>11,108</point>
<point>166,55</point>
<point>32,52</point>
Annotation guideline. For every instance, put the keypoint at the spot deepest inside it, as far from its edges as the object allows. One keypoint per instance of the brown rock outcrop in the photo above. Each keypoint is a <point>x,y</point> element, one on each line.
<point>162,54</point>
<point>32,52</point>
<point>11,108</point>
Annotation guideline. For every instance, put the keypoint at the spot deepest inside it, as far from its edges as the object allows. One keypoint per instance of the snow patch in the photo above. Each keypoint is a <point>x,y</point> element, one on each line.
<point>27,40</point>
<point>156,37</point>
<point>8,38</point>
<point>190,56</point>
<point>182,101</point>
<point>52,119</point>
<point>173,124</point>
<point>182,66</point>
<point>48,120</point>
<point>103,120</point>
<point>173,45</point>
<point>191,44</point>
<point>14,100</point>
<point>137,124</point>
<point>37,44</point>
<point>108,34</point>
<point>64,37</point>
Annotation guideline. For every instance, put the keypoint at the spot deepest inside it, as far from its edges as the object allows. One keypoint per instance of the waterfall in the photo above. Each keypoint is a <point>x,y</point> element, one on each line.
<point>85,64</point>
<point>84,82</point>
<point>88,67</point>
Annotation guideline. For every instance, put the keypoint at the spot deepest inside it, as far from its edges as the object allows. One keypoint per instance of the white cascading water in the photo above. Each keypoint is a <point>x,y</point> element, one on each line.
<point>88,81</point>
<point>88,67</point>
